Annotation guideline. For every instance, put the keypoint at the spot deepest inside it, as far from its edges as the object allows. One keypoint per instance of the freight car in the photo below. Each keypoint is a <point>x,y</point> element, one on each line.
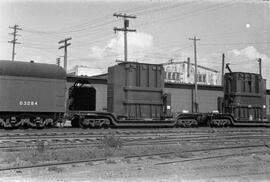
<point>135,97</point>
<point>31,94</point>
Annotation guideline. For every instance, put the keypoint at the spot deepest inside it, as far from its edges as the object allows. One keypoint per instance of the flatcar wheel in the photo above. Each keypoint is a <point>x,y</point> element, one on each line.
<point>179,122</point>
<point>189,123</point>
<point>227,123</point>
<point>185,123</point>
<point>82,124</point>
<point>214,123</point>
<point>106,124</point>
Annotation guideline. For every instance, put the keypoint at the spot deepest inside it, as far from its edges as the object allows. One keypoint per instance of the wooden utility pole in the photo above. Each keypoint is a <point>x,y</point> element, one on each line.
<point>222,70</point>
<point>66,44</point>
<point>14,41</point>
<point>260,66</point>
<point>188,66</point>
<point>195,76</point>
<point>125,30</point>
<point>58,61</point>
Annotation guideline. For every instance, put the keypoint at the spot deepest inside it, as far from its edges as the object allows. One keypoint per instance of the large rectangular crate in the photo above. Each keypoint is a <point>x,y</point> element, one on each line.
<point>245,96</point>
<point>135,90</point>
<point>239,82</point>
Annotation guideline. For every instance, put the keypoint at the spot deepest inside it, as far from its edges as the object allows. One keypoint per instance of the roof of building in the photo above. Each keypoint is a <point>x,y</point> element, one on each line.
<point>185,62</point>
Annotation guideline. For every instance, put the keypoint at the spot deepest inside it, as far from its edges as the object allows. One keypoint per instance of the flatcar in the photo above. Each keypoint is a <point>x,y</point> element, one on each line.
<point>31,94</point>
<point>135,97</point>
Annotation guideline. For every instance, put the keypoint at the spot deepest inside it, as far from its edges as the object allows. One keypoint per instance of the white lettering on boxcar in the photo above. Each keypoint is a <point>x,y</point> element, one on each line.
<point>28,103</point>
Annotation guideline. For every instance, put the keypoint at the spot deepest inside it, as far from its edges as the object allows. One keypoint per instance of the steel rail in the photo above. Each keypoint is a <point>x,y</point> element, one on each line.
<point>210,157</point>
<point>145,155</point>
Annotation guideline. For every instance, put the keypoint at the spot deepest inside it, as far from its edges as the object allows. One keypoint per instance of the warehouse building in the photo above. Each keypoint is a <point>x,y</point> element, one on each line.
<point>184,72</point>
<point>80,70</point>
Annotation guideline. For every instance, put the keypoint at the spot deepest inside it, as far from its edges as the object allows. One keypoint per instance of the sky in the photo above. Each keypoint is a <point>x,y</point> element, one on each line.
<point>239,29</point>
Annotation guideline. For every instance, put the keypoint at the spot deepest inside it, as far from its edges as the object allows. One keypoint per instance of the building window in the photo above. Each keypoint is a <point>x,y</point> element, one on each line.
<point>169,76</point>
<point>249,86</point>
<point>177,76</point>
<point>201,77</point>
<point>174,76</point>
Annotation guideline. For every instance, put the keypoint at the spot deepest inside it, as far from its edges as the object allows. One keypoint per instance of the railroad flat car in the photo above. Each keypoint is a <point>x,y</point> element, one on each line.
<point>135,98</point>
<point>31,94</point>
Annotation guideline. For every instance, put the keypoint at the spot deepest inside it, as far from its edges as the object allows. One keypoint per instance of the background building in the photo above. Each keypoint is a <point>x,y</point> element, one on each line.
<point>80,70</point>
<point>183,72</point>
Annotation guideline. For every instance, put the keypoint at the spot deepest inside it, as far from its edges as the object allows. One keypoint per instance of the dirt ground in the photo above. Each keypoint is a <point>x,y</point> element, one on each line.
<point>252,165</point>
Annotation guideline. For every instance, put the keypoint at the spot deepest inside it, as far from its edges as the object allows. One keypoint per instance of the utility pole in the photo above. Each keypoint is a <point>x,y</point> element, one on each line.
<point>58,61</point>
<point>260,65</point>
<point>14,41</point>
<point>66,44</point>
<point>125,30</point>
<point>222,70</point>
<point>188,66</point>
<point>195,76</point>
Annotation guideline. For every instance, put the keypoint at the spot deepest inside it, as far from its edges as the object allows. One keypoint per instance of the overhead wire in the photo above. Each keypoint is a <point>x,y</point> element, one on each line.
<point>140,12</point>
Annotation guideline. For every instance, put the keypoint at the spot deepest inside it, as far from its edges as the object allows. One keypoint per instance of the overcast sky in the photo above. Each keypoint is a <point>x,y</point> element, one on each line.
<point>240,29</point>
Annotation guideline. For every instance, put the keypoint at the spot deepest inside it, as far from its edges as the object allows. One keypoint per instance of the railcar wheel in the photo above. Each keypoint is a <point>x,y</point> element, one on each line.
<point>220,122</point>
<point>40,123</point>
<point>12,123</point>
<point>83,124</point>
<point>227,123</point>
<point>106,123</point>
<point>186,123</point>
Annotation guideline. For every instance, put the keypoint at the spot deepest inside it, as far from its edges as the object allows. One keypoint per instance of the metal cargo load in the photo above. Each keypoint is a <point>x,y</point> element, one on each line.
<point>244,95</point>
<point>135,90</point>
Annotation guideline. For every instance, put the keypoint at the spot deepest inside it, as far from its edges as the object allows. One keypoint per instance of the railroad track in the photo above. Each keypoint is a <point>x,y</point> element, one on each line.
<point>231,139</point>
<point>68,131</point>
<point>65,140</point>
<point>69,137</point>
<point>136,141</point>
<point>258,146</point>
<point>96,133</point>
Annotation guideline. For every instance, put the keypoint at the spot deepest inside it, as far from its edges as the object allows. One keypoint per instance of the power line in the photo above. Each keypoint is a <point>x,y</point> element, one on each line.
<point>15,29</point>
<point>233,43</point>
<point>186,15</point>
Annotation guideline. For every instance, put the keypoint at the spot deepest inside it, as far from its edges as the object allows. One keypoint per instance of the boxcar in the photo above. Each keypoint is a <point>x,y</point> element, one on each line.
<point>31,94</point>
